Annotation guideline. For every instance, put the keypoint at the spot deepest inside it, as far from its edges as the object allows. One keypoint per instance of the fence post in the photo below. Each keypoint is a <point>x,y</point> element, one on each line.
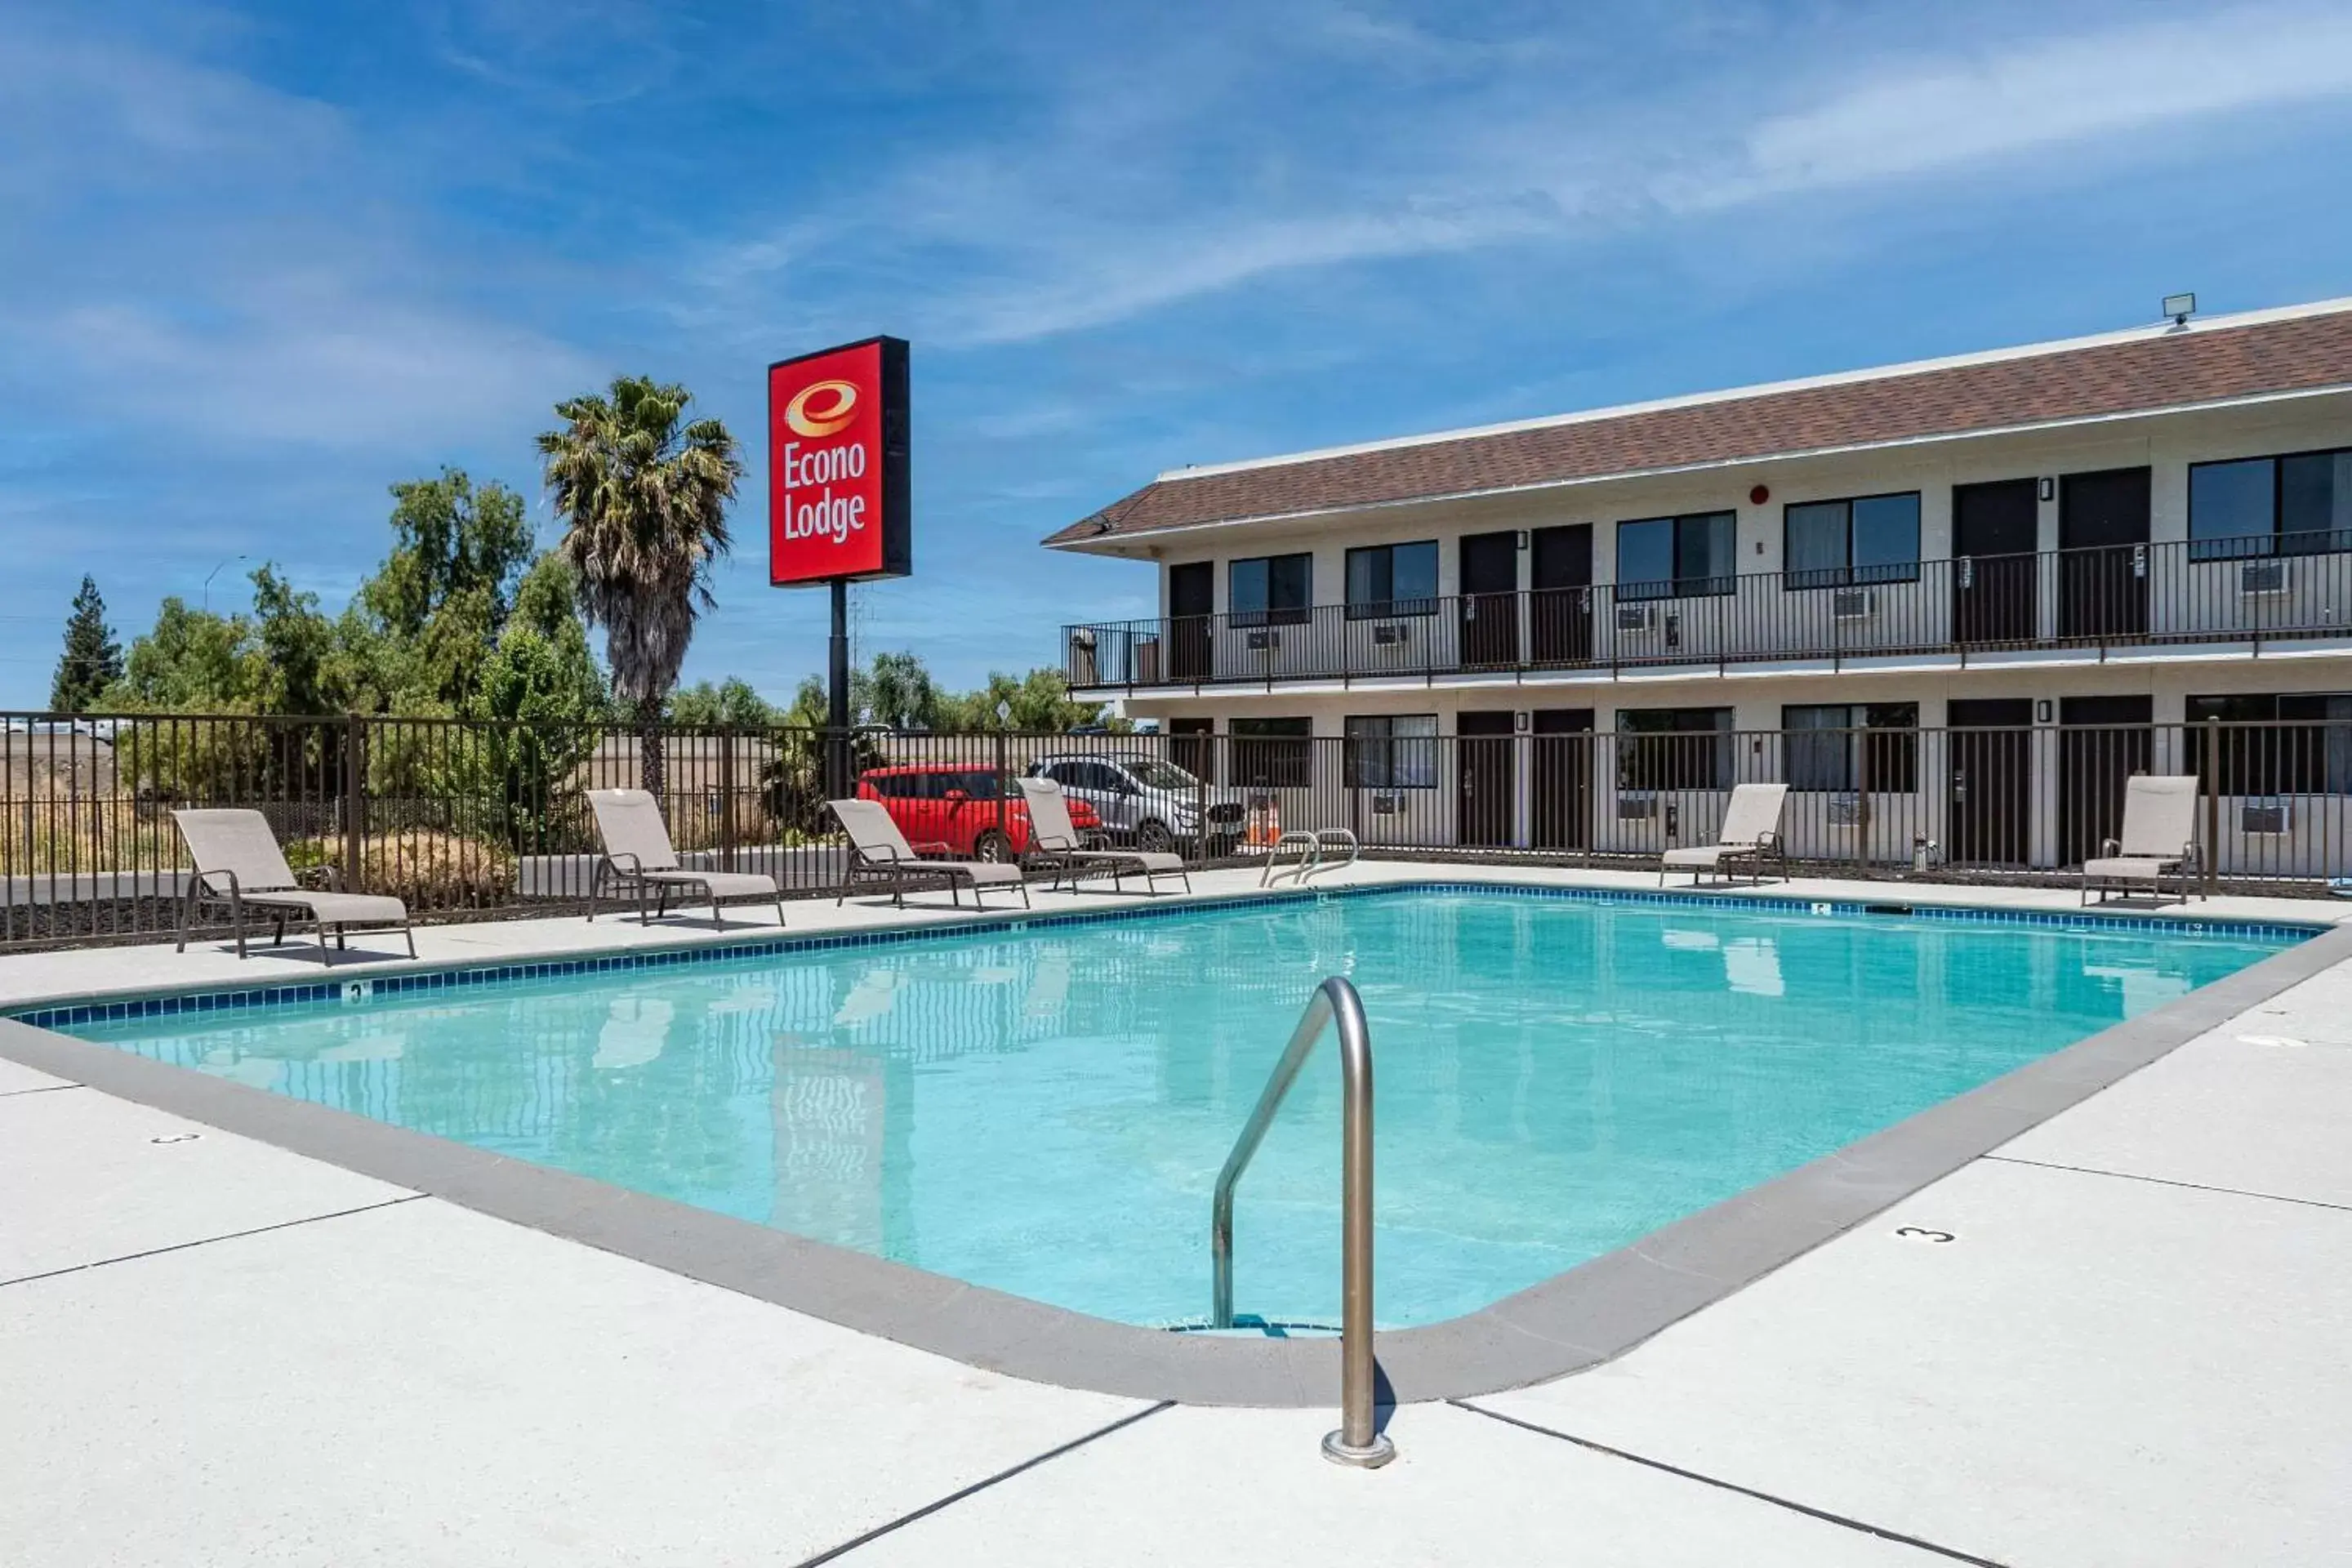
<point>726,797</point>
<point>1862,803</point>
<point>2214,808</point>
<point>1003,788</point>
<point>355,798</point>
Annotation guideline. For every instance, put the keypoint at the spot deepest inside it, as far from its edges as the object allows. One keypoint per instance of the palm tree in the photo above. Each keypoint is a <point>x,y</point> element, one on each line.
<point>643,496</point>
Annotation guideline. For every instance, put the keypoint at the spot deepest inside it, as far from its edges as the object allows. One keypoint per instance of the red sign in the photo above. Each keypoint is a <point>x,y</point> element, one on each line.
<point>837,503</point>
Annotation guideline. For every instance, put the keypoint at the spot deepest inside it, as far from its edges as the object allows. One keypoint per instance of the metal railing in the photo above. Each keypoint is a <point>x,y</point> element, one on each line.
<point>2252,591</point>
<point>1359,1439</point>
<point>466,821</point>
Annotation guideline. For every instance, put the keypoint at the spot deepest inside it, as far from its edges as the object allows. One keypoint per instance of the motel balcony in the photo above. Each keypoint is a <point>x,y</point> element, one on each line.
<point>2219,599</point>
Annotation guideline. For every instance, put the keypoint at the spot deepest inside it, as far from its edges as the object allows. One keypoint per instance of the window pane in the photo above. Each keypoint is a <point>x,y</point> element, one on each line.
<point>1413,758</point>
<point>1886,539</point>
<point>2316,503</point>
<point>1247,597</point>
<point>1414,574</point>
<point>1703,561</point>
<point>1645,558</point>
<point>1816,544</point>
<point>1820,751</point>
<point>2230,509</point>
<point>1369,577</point>
<point>1288,584</point>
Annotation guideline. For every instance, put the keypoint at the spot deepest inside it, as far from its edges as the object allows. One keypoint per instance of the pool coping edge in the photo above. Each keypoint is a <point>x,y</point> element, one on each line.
<point>1576,1320</point>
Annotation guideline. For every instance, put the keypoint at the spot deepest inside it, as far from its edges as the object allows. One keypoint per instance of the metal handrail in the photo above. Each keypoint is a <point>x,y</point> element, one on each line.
<point>1344,837</point>
<point>1359,1441</point>
<point>1304,838</point>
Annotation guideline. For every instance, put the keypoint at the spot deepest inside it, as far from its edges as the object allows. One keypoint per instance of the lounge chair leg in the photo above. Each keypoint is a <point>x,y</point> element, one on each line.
<point>1024,897</point>
<point>780,912</point>
<point>410,933</point>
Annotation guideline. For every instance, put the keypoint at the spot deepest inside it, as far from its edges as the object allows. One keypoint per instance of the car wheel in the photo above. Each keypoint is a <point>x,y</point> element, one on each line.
<point>1153,835</point>
<point>992,846</point>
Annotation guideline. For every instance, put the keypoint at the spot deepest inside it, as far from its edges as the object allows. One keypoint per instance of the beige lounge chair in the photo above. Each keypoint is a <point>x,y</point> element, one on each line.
<point>238,863</point>
<point>638,851</point>
<point>1054,839</point>
<point>880,853</point>
<point>1750,831</point>
<point>2159,836</point>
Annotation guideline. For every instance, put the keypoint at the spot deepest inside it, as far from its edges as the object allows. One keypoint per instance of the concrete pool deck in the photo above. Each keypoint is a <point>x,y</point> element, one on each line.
<point>213,1350</point>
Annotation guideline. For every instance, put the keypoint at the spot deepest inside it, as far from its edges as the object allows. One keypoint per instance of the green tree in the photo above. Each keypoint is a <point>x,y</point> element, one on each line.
<point>432,614</point>
<point>93,660</point>
<point>732,703</point>
<point>898,691</point>
<point>544,700</point>
<point>643,495</point>
<point>192,661</point>
<point>1037,702</point>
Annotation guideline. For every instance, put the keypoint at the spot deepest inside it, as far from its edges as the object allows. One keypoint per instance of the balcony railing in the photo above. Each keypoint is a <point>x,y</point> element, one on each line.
<point>2254,592</point>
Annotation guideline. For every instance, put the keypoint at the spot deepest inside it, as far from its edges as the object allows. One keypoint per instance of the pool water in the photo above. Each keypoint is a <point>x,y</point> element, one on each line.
<point>1045,1110</point>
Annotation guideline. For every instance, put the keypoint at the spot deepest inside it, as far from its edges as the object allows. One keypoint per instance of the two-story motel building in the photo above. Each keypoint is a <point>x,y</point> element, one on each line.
<point>2134,532</point>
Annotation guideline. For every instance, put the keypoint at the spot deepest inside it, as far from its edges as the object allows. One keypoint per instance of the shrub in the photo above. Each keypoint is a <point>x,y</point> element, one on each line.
<point>423,869</point>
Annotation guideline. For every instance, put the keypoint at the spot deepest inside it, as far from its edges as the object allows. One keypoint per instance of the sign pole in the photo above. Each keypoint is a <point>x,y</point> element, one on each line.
<point>836,712</point>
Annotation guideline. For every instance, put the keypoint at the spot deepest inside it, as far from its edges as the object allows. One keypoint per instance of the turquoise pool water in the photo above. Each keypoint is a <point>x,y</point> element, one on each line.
<point>1045,1110</point>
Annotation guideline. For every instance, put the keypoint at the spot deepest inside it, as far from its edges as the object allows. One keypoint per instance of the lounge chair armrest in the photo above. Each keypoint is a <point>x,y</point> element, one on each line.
<point>2110,847</point>
<point>636,865</point>
<point>205,881</point>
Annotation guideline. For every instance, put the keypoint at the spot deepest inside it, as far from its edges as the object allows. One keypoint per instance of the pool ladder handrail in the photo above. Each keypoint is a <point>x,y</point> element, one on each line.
<point>1303,838</point>
<point>1359,1441</point>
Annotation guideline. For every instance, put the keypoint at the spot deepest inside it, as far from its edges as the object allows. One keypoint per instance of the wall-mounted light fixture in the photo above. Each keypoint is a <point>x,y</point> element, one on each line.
<point>2041,711</point>
<point>1523,539</point>
<point>2180,307</point>
<point>1519,722</point>
<point>2049,489</point>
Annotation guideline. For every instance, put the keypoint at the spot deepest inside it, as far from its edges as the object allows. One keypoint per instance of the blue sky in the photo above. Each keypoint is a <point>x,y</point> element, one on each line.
<point>264,260</point>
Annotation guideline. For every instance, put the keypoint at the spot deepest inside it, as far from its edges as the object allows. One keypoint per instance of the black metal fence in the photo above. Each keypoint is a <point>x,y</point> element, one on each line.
<point>2255,590</point>
<point>465,820</point>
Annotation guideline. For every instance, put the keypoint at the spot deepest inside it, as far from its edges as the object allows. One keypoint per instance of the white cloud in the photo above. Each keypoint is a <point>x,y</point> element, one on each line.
<point>1124,190</point>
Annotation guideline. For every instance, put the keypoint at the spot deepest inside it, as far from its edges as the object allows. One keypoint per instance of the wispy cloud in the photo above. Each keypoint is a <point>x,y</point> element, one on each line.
<point>1118,197</point>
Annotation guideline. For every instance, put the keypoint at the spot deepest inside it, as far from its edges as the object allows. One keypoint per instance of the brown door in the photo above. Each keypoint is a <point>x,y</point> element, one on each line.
<point>1560,610</point>
<point>1563,778</point>
<point>1995,571</point>
<point>1490,599</point>
<point>1990,795</point>
<point>1487,782</point>
<point>2103,564</point>
<point>1191,593</point>
<point>2101,741</point>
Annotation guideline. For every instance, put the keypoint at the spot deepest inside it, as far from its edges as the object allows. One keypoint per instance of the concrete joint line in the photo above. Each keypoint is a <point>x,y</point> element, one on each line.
<point>832,1553</point>
<point>37,1089</point>
<point>1880,1532</point>
<point>208,1240</point>
<point>2164,1182</point>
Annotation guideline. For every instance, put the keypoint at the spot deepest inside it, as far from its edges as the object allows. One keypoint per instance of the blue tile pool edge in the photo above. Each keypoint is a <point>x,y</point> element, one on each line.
<point>113,1008</point>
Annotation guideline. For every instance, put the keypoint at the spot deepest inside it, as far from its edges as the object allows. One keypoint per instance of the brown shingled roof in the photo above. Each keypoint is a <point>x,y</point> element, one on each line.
<point>2163,370</point>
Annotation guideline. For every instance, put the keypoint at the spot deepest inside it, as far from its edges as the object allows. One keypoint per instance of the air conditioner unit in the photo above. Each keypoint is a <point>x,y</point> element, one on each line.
<point>1639,807</point>
<point>1635,618</point>
<point>1675,631</point>
<point>1387,802</point>
<point>1846,809</point>
<point>1261,641</point>
<point>1853,603</point>
<point>2266,814</point>
<point>2260,578</point>
<point>1385,635</point>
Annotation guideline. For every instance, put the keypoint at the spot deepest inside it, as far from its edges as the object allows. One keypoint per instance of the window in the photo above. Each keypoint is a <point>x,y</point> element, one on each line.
<point>2291,743</point>
<point>1838,543</point>
<point>1673,748</point>
<point>1392,580</point>
<point>2295,505</point>
<point>1674,557</point>
<point>1834,747</point>
<point>1271,590</point>
<point>1274,754</point>
<point>1392,751</point>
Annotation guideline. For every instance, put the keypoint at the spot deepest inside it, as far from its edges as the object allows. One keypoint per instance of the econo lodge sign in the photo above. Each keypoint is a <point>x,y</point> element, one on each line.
<point>837,503</point>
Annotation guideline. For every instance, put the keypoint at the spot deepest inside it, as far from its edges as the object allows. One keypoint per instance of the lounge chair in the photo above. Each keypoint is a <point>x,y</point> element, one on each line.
<point>238,863</point>
<point>880,853</point>
<point>2159,836</point>
<point>638,851</point>
<point>1750,831</point>
<point>1054,839</point>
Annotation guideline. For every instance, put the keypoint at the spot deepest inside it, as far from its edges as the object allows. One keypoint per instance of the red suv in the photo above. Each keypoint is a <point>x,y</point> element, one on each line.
<point>938,803</point>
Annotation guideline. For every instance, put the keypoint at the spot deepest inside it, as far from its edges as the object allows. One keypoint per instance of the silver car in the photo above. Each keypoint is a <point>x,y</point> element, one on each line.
<point>1148,802</point>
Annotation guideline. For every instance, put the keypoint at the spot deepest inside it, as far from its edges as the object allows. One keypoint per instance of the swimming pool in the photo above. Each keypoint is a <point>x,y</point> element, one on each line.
<point>1043,1109</point>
